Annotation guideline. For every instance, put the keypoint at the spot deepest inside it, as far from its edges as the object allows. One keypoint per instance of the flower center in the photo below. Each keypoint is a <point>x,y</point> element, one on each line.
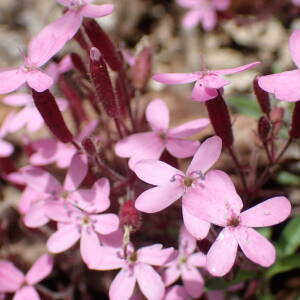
<point>188,181</point>
<point>234,221</point>
<point>85,220</point>
<point>132,258</point>
<point>195,178</point>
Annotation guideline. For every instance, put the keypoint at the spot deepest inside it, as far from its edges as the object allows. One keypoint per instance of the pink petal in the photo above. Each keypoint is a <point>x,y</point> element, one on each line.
<point>96,11</point>
<point>58,211</point>
<point>192,18</point>
<point>36,216</point>
<point>237,69</point>
<point>222,254</point>
<point>221,4</point>
<point>155,255</point>
<point>197,259</point>
<point>209,20</point>
<point>150,283</point>
<point>193,282</point>
<point>196,227</point>
<point>255,246</point>
<point>11,278</point>
<point>123,285</point>
<point>114,239</point>
<point>41,181</point>
<point>216,202</point>
<point>19,120</point>
<point>89,245</point>
<point>46,151</point>
<point>157,114</point>
<point>182,148</point>
<point>267,213</point>
<point>26,293</point>
<point>202,93</point>
<point>175,78</point>
<point>155,172</point>
<point>105,223</point>
<point>94,200</point>
<point>17,99</point>
<point>6,149</point>
<point>28,197</point>
<point>177,292</point>
<point>63,239</point>
<point>11,80</point>
<point>40,269</point>
<point>171,274</point>
<point>65,64</point>
<point>76,172</point>
<point>294,44</point>
<point>35,121</point>
<point>159,198</point>
<point>110,259</point>
<point>187,243</point>
<point>189,128</point>
<point>207,154</point>
<point>139,146</point>
<point>188,3</point>
<point>284,85</point>
<point>39,81</point>
<point>53,37</point>
<point>213,81</point>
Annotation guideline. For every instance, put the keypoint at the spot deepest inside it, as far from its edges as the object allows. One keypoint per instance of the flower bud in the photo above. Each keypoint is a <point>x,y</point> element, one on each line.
<point>103,43</point>
<point>102,83</point>
<point>141,69</point>
<point>129,215</point>
<point>264,128</point>
<point>89,146</point>
<point>220,119</point>
<point>46,105</point>
<point>295,127</point>
<point>262,97</point>
<point>78,64</point>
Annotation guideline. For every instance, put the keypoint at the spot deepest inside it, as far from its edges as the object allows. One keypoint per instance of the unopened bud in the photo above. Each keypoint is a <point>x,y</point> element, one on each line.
<point>102,83</point>
<point>264,128</point>
<point>220,119</point>
<point>141,69</point>
<point>78,64</point>
<point>129,215</point>
<point>262,97</point>
<point>295,126</point>
<point>103,43</point>
<point>46,105</point>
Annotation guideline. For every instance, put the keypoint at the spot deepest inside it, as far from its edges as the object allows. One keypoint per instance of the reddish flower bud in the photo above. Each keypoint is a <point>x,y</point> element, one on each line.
<point>129,215</point>
<point>220,119</point>
<point>102,83</point>
<point>46,105</point>
<point>78,64</point>
<point>295,127</point>
<point>102,41</point>
<point>262,97</point>
<point>264,128</point>
<point>141,69</point>
<point>122,95</point>
<point>89,146</point>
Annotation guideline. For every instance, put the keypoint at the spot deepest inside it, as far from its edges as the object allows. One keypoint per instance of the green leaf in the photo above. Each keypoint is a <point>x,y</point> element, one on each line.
<point>265,231</point>
<point>287,178</point>
<point>245,105</point>
<point>284,264</point>
<point>289,240</point>
<point>220,283</point>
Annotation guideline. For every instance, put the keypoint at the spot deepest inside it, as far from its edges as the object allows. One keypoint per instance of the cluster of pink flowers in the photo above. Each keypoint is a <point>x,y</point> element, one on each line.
<point>82,208</point>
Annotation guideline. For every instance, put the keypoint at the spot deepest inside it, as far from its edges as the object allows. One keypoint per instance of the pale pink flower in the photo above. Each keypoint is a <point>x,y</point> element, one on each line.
<point>185,266</point>
<point>82,221</point>
<point>207,82</point>
<point>202,11</point>
<point>150,145</point>
<point>12,280</point>
<point>136,266</point>
<point>218,203</point>
<point>177,292</point>
<point>28,116</point>
<point>171,183</point>
<point>285,85</point>
<point>44,188</point>
<point>56,69</point>
<point>6,148</point>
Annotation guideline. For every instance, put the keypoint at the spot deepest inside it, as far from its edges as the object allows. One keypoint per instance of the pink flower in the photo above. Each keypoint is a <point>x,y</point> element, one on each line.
<point>28,116</point>
<point>285,85</point>
<point>185,266</point>
<point>218,203</point>
<point>12,280</point>
<point>6,148</point>
<point>82,222</point>
<point>202,11</point>
<point>207,82</point>
<point>44,187</point>
<point>177,292</point>
<point>171,183</point>
<point>135,267</point>
<point>150,145</point>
